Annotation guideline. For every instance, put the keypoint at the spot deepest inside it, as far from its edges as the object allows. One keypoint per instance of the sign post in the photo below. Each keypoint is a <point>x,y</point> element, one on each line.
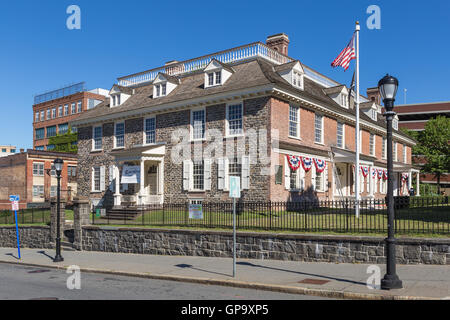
<point>15,206</point>
<point>235,193</point>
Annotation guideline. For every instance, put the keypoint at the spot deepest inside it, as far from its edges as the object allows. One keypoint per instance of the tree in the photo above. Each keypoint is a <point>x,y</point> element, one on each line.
<point>434,145</point>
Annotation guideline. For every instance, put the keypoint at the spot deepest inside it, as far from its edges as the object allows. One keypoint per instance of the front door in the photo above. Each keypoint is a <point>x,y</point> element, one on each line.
<point>340,181</point>
<point>153,180</point>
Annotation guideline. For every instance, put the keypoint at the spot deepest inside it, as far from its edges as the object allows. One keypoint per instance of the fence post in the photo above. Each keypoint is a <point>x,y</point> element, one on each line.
<point>346,215</point>
<point>270,215</point>
<point>186,213</point>
<point>81,212</point>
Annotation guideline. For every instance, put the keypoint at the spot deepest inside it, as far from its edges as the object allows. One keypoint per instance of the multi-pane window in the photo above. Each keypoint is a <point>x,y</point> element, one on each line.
<point>118,99</point>
<point>40,148</point>
<point>53,190</point>
<point>294,121</point>
<point>71,171</point>
<point>211,79</point>
<point>51,131</point>
<point>234,167</point>
<point>372,144</point>
<point>42,115</point>
<point>63,128</point>
<point>150,132</point>
<point>198,175</point>
<point>319,178</point>
<point>36,118</point>
<point>293,180</point>
<point>74,129</point>
<point>344,100</point>
<point>38,191</point>
<point>158,90</point>
<point>120,135</point>
<point>51,147</point>
<point>318,130</point>
<point>198,124</point>
<point>48,114</point>
<point>40,133</point>
<point>297,79</point>
<point>395,124</point>
<point>66,109</point>
<point>97,138</point>
<point>38,169</point>
<point>80,106</point>
<point>96,178</point>
<point>218,77</point>
<point>53,113</point>
<point>383,148</point>
<point>74,110</point>
<point>60,111</point>
<point>340,135</point>
<point>163,89</point>
<point>235,119</point>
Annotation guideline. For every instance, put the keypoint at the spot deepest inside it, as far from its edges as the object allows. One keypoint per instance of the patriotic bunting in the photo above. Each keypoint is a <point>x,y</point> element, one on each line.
<point>365,171</point>
<point>320,165</point>
<point>385,175</point>
<point>374,173</point>
<point>294,162</point>
<point>306,163</point>
<point>380,174</point>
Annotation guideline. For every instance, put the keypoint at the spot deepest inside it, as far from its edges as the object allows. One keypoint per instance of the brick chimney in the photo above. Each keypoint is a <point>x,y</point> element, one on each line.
<point>278,42</point>
<point>374,95</point>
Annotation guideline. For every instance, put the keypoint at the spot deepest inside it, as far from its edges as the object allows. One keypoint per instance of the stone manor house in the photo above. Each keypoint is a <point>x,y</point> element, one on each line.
<point>309,119</point>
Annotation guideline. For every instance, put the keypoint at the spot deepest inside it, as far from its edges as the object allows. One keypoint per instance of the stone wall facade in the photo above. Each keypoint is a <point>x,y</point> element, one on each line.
<point>308,248</point>
<point>30,237</point>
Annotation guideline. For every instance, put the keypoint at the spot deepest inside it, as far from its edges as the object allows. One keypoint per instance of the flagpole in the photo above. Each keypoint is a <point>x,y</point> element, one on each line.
<point>357,169</point>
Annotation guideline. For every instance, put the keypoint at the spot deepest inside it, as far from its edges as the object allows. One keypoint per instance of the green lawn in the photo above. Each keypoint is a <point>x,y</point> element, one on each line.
<point>30,217</point>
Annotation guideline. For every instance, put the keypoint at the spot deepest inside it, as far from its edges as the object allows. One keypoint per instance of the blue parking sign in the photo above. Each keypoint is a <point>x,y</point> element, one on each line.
<point>14,198</point>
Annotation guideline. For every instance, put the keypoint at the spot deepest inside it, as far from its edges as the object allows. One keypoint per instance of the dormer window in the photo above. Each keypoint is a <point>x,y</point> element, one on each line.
<point>395,124</point>
<point>374,114</point>
<point>344,100</point>
<point>164,84</point>
<point>297,79</point>
<point>161,90</point>
<point>216,73</point>
<point>115,100</point>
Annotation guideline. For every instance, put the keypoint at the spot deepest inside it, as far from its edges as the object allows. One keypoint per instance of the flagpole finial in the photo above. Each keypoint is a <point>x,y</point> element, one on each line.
<point>358,27</point>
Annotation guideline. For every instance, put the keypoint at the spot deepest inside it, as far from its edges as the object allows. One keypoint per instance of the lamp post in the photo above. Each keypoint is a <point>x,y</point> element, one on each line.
<point>58,163</point>
<point>388,89</point>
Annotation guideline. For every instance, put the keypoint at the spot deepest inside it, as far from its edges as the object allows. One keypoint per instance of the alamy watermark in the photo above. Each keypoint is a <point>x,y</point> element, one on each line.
<point>73,22</point>
<point>374,20</point>
<point>374,280</point>
<point>74,280</point>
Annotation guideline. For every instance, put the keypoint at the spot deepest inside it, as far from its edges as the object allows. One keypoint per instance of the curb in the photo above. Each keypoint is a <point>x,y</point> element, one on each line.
<point>241,284</point>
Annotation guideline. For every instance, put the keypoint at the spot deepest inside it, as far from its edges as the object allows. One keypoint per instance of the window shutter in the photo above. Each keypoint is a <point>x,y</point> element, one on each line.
<point>186,174</point>
<point>245,172</point>
<point>92,179</point>
<point>302,178</point>
<point>325,178</point>
<point>313,176</point>
<point>102,178</point>
<point>207,174</point>
<point>287,175</point>
<point>221,173</point>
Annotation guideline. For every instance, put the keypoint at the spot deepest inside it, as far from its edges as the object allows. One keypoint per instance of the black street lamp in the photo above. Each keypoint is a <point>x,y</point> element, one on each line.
<point>58,163</point>
<point>388,89</point>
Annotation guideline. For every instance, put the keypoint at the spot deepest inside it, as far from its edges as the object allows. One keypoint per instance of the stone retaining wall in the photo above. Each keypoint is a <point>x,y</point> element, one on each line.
<point>308,248</point>
<point>30,237</point>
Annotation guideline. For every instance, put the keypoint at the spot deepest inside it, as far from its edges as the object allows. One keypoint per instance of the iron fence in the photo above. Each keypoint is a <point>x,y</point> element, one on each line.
<point>412,215</point>
<point>32,216</point>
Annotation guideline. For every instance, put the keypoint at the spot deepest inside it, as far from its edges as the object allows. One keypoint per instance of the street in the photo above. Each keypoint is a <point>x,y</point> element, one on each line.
<point>29,283</point>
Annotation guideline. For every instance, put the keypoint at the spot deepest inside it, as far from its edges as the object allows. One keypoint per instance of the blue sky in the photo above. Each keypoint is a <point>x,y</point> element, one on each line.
<point>38,53</point>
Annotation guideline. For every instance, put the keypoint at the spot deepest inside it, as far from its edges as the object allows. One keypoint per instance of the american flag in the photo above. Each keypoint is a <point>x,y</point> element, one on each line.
<point>347,55</point>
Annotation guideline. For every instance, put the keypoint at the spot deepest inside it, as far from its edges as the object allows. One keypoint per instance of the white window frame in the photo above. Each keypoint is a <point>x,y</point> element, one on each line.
<point>36,117</point>
<point>297,79</point>
<point>40,172</point>
<point>79,106</point>
<point>394,147</point>
<point>214,78</point>
<point>297,123</point>
<point>384,148</point>
<point>321,129</point>
<point>115,135</point>
<point>60,111</point>
<point>54,113</point>
<point>93,138</point>
<point>192,124</point>
<point>73,108</point>
<point>343,134</point>
<point>344,100</point>
<point>145,131</point>
<point>66,110</point>
<point>40,191</point>
<point>42,115</point>
<point>192,177</point>
<point>227,121</point>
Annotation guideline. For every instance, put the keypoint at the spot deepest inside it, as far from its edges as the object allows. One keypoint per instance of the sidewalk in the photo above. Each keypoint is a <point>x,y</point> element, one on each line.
<point>346,281</point>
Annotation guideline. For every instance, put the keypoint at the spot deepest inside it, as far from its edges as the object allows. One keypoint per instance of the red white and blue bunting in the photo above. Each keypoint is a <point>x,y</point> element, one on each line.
<point>380,173</point>
<point>385,175</point>
<point>405,177</point>
<point>320,165</point>
<point>374,173</point>
<point>365,171</point>
<point>307,163</point>
<point>294,162</point>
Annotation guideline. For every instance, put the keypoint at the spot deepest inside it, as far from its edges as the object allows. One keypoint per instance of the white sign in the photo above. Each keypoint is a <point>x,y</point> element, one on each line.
<point>15,205</point>
<point>235,187</point>
<point>131,174</point>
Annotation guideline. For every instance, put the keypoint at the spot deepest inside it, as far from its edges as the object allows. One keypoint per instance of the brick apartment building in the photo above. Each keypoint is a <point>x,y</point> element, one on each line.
<point>30,175</point>
<point>52,111</point>
<point>414,117</point>
<point>7,150</point>
<point>239,92</point>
